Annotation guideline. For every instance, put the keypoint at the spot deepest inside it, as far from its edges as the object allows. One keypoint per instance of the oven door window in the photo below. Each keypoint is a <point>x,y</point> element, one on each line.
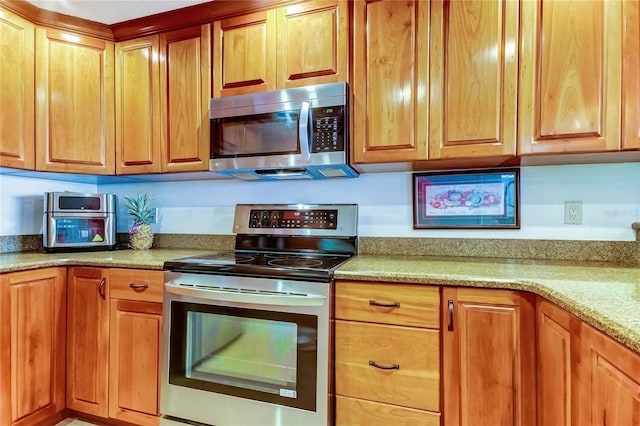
<point>79,230</point>
<point>262,134</point>
<point>260,355</point>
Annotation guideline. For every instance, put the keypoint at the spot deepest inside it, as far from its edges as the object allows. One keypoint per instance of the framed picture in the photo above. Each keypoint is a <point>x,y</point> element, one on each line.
<point>466,199</point>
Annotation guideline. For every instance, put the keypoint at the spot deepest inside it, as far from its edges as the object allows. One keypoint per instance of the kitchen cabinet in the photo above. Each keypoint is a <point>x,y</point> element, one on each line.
<point>17,86</point>
<point>390,90</point>
<point>74,77</point>
<point>631,75</point>
<point>570,87</point>
<point>32,345</point>
<point>138,114</point>
<point>387,356</point>
<point>135,323</point>
<point>474,79</point>
<point>556,345</point>
<point>162,95</point>
<point>488,353</point>
<point>88,340</point>
<point>585,378</point>
<point>312,43</point>
<point>185,69</point>
<point>298,45</point>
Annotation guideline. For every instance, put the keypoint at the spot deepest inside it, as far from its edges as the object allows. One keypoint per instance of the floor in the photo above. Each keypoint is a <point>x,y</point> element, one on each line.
<point>73,422</point>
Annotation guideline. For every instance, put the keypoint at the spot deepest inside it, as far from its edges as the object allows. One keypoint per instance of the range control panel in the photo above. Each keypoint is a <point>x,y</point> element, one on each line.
<point>287,219</point>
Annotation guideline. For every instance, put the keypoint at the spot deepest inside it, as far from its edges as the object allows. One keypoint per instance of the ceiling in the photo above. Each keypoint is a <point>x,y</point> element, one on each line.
<point>112,11</point>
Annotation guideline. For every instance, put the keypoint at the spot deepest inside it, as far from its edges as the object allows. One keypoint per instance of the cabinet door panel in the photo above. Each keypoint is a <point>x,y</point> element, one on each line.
<point>17,99</point>
<point>312,43</point>
<point>571,76</point>
<point>138,106</point>
<point>75,103</point>
<point>184,75</point>
<point>33,338</point>
<point>136,329</point>
<point>488,357</point>
<point>391,57</point>
<point>474,75</point>
<point>631,76</point>
<point>244,54</point>
<point>87,340</point>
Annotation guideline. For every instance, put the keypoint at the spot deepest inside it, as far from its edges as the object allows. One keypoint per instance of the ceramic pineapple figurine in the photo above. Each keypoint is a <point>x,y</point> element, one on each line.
<point>140,234</point>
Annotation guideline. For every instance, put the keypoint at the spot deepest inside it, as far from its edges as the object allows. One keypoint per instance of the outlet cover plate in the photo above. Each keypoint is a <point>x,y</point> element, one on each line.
<point>573,212</point>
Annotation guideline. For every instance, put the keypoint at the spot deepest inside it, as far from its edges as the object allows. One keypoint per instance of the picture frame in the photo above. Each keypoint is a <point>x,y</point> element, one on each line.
<point>467,199</point>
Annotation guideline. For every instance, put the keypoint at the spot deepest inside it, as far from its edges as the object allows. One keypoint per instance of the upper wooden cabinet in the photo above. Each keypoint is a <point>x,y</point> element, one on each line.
<point>312,43</point>
<point>570,88</point>
<point>185,69</point>
<point>162,95</point>
<point>631,75</point>
<point>391,77</point>
<point>298,45</point>
<point>32,346</point>
<point>75,126</point>
<point>17,119</point>
<point>138,112</point>
<point>488,347</point>
<point>474,78</point>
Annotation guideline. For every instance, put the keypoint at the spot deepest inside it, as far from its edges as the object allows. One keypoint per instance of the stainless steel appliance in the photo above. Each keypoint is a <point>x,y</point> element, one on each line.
<point>299,133</point>
<point>247,332</point>
<point>79,221</point>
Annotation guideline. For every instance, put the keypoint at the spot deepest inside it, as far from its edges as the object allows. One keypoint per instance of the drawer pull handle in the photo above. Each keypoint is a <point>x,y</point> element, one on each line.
<point>384,367</point>
<point>450,325</point>
<point>101,291</point>
<point>384,305</point>
<point>137,287</point>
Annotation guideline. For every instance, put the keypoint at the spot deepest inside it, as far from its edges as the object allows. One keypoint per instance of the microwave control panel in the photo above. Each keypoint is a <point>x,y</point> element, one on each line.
<point>328,129</point>
<point>302,219</point>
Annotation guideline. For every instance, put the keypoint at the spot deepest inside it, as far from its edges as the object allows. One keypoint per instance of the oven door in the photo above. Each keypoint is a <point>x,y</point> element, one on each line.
<point>245,356</point>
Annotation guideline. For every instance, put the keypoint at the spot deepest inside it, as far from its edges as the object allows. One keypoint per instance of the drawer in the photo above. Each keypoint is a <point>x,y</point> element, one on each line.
<point>136,284</point>
<point>416,352</point>
<point>352,411</point>
<point>412,305</point>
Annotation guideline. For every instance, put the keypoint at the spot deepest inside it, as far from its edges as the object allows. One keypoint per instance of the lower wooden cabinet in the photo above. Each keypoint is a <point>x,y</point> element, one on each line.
<point>387,354</point>
<point>113,339</point>
<point>585,378</point>
<point>32,350</point>
<point>135,338</point>
<point>88,340</point>
<point>488,346</point>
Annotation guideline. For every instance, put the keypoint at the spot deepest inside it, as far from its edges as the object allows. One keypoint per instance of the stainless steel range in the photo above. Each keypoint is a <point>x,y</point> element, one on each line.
<point>247,332</point>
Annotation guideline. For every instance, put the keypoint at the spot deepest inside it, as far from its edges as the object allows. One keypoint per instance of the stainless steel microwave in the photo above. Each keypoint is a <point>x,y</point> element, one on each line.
<point>299,133</point>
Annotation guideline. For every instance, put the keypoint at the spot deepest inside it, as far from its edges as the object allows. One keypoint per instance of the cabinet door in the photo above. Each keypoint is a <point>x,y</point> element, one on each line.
<point>556,345</point>
<point>390,65</point>
<point>244,54</point>
<point>17,123</point>
<point>488,357</point>
<point>313,43</point>
<point>570,76</point>
<point>609,381</point>
<point>74,103</point>
<point>474,78</point>
<point>138,111</point>
<point>631,76</point>
<point>185,94</point>
<point>134,368</point>
<point>88,340</point>
<point>32,345</point>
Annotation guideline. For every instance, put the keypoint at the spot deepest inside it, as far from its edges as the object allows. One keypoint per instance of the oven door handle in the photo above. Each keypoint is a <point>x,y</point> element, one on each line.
<point>255,298</point>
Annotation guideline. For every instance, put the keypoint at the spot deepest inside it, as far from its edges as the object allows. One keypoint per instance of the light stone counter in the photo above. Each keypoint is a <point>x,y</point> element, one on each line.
<point>605,295</point>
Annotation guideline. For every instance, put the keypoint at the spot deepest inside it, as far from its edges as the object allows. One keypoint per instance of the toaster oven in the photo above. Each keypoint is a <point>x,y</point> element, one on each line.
<point>74,221</point>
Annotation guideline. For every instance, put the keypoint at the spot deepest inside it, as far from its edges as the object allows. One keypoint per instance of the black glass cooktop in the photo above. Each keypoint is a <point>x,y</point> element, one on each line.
<point>291,265</point>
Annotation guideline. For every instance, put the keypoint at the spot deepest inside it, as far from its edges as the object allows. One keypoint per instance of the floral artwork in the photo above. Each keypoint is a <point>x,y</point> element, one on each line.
<point>461,199</point>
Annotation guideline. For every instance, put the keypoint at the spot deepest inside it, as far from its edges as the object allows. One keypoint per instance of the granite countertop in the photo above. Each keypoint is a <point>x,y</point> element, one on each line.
<point>605,295</point>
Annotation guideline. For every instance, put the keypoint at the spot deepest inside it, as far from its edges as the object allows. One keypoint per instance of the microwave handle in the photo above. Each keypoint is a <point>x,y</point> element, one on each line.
<point>303,130</point>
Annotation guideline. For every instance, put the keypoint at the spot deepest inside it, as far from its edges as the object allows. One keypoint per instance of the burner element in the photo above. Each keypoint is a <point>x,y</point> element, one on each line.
<point>296,262</point>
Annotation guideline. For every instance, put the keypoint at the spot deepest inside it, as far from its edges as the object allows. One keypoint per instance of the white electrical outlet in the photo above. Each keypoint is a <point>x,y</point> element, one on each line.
<point>573,212</point>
